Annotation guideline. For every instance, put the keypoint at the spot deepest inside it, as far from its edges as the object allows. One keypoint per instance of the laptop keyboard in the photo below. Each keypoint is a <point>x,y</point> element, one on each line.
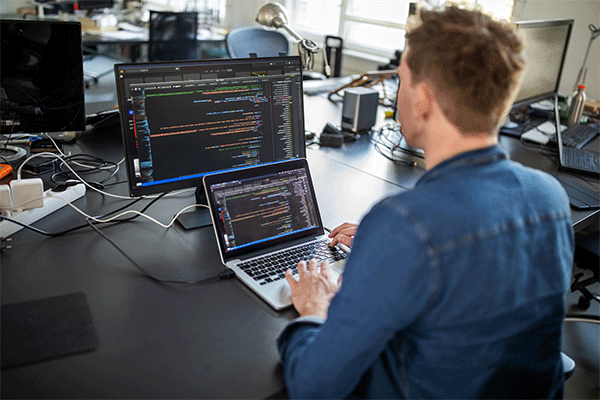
<point>580,159</point>
<point>272,267</point>
<point>578,135</point>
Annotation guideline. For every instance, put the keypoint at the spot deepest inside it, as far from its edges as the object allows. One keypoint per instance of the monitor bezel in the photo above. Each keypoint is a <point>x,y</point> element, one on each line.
<point>197,180</point>
<point>546,23</point>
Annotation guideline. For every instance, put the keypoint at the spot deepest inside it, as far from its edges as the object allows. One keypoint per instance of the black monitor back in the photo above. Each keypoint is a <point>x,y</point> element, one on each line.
<point>546,49</point>
<point>42,87</point>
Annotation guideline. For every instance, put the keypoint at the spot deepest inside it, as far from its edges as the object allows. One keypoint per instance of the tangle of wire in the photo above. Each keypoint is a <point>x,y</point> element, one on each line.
<point>85,169</point>
<point>387,140</point>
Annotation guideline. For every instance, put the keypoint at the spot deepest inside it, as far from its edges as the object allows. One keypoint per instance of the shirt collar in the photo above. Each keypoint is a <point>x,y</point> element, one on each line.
<point>469,158</point>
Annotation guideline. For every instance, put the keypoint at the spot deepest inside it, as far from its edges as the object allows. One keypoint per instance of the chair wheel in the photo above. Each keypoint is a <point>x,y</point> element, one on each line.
<point>583,303</point>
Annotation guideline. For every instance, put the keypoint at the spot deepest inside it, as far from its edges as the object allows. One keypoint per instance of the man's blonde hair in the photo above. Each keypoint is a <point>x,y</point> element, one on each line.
<point>473,62</point>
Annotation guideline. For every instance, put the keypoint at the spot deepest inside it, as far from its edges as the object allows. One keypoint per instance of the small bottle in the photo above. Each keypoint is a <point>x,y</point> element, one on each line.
<point>577,105</point>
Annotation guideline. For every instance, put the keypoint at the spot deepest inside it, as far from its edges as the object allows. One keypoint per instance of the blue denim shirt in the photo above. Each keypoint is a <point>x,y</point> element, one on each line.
<point>454,289</point>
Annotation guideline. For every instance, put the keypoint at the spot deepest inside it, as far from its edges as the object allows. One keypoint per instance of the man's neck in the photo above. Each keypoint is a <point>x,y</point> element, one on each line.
<point>451,142</point>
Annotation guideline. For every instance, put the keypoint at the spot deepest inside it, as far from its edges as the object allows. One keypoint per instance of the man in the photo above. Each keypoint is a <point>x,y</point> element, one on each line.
<point>454,289</point>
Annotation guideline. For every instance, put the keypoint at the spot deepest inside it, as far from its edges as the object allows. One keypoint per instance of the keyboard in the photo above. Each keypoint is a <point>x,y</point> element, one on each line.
<point>581,160</point>
<point>579,135</point>
<point>272,267</point>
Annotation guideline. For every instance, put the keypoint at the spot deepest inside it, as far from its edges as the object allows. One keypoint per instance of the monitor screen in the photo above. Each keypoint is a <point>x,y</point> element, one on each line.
<point>545,48</point>
<point>182,120</point>
<point>41,76</point>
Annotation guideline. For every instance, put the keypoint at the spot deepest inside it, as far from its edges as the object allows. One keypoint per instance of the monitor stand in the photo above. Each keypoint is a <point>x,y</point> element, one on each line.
<point>199,216</point>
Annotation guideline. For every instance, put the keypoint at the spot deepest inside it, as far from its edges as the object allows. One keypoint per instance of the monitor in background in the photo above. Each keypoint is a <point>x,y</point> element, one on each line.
<point>546,50</point>
<point>94,5</point>
<point>183,120</point>
<point>41,76</point>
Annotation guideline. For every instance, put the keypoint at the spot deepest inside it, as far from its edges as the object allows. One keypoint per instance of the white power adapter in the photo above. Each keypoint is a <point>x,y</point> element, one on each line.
<point>5,201</point>
<point>27,193</point>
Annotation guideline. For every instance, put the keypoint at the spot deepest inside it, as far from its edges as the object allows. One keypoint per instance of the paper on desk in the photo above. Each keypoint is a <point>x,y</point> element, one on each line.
<point>124,35</point>
<point>545,105</point>
<point>542,133</point>
<point>548,128</point>
<point>126,26</point>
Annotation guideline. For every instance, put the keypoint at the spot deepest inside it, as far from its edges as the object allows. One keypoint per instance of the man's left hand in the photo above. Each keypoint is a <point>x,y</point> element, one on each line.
<point>312,293</point>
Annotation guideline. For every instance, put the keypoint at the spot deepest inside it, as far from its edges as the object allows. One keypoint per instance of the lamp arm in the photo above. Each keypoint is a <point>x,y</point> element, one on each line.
<point>291,32</point>
<point>595,32</point>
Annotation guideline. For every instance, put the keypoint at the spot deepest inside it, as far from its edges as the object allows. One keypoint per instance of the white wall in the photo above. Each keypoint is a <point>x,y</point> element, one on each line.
<point>239,13</point>
<point>584,12</point>
<point>10,6</point>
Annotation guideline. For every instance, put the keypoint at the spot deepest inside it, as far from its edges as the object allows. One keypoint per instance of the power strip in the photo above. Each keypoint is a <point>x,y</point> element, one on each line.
<point>51,204</point>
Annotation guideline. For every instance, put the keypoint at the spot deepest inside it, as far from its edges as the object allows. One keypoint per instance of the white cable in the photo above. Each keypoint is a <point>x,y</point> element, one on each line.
<point>132,212</point>
<point>116,216</point>
<point>14,207</point>
<point>52,155</point>
<point>575,319</point>
<point>83,165</point>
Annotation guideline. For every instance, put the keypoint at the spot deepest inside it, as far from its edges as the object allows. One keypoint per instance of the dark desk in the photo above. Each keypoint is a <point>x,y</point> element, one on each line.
<point>361,156</point>
<point>210,340</point>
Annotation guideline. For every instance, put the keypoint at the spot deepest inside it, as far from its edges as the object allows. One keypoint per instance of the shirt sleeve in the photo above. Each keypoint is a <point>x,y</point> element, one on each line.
<point>387,284</point>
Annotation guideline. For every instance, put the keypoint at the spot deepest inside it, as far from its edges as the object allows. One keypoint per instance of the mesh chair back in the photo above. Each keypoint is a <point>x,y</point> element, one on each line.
<point>264,43</point>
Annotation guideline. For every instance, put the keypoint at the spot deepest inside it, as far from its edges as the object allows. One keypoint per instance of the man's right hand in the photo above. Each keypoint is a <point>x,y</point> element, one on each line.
<point>343,234</point>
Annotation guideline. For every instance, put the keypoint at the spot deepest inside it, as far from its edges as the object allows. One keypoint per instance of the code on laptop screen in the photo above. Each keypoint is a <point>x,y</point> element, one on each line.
<point>264,208</point>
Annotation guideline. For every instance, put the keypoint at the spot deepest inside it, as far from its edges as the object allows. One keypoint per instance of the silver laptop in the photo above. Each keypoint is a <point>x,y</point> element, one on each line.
<point>266,220</point>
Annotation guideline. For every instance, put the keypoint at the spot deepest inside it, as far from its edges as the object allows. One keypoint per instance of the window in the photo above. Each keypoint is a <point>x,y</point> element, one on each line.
<point>369,26</point>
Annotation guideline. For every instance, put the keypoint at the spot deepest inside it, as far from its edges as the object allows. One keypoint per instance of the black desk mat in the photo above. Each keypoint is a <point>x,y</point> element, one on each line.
<point>580,197</point>
<point>40,330</point>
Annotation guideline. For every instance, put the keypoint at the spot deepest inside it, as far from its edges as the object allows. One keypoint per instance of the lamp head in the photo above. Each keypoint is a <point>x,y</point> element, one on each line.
<point>272,15</point>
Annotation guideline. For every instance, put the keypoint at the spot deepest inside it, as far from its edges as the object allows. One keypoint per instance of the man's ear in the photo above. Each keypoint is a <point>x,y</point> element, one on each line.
<point>424,101</point>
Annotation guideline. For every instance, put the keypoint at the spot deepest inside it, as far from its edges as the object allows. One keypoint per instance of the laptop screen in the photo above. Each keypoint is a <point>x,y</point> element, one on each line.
<point>260,207</point>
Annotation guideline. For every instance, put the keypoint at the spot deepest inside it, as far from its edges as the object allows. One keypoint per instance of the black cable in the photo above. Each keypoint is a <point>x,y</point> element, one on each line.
<point>390,136</point>
<point>32,228</point>
<point>12,128</point>
<point>7,162</point>
<point>5,145</point>
<point>227,273</point>
<point>51,234</point>
<point>386,141</point>
<point>88,170</point>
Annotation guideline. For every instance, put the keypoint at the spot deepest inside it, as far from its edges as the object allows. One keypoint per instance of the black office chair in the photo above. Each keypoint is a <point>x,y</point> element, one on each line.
<point>587,256</point>
<point>242,42</point>
<point>172,36</point>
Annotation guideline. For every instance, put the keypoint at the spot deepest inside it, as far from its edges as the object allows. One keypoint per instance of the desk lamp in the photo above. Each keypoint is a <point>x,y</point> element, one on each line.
<point>274,15</point>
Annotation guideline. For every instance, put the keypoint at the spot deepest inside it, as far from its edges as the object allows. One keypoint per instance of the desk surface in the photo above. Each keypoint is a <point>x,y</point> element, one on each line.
<point>139,37</point>
<point>215,339</point>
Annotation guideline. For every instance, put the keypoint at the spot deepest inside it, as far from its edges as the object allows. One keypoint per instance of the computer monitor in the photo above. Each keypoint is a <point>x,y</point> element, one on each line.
<point>91,5</point>
<point>182,120</point>
<point>41,76</point>
<point>546,45</point>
